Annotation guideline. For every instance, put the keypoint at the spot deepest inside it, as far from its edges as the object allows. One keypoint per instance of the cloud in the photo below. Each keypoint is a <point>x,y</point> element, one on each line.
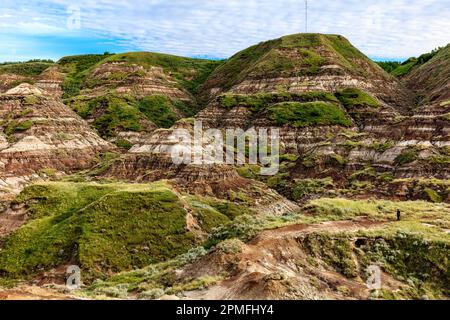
<point>220,28</point>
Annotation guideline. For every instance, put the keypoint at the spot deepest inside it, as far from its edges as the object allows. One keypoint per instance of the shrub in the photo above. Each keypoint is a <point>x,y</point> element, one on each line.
<point>230,246</point>
<point>432,195</point>
<point>124,144</point>
<point>305,187</point>
<point>14,127</point>
<point>407,156</point>
<point>151,294</point>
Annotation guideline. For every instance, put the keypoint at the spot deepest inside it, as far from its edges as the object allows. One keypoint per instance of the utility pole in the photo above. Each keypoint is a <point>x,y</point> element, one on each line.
<point>306,16</point>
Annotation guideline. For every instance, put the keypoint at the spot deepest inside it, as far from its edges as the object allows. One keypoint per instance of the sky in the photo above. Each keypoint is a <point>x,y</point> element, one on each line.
<point>383,30</point>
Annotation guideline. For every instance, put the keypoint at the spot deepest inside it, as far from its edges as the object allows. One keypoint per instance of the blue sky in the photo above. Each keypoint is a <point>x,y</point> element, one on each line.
<point>385,29</point>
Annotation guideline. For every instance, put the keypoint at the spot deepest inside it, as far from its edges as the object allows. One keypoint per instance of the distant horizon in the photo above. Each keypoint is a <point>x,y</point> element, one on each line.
<point>204,57</point>
<point>51,29</point>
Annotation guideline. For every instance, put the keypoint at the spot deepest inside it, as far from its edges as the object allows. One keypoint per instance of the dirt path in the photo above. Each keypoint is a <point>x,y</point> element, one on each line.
<point>276,254</point>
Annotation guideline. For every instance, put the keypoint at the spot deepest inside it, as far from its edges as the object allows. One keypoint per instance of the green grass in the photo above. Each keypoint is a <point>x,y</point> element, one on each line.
<point>340,208</point>
<point>111,113</point>
<point>432,195</point>
<point>389,66</point>
<point>293,55</point>
<point>107,227</point>
<point>258,102</point>
<point>414,253</point>
<point>412,258</point>
<point>353,98</point>
<point>334,251</point>
<point>442,159</point>
<point>308,114</point>
<point>153,281</point>
<point>401,69</point>
<point>190,73</point>
<point>236,68</point>
<point>76,69</point>
<point>118,115</point>
<point>111,227</point>
<point>159,110</point>
<point>27,69</point>
<point>13,127</point>
<point>420,263</point>
<point>207,216</point>
<point>123,144</point>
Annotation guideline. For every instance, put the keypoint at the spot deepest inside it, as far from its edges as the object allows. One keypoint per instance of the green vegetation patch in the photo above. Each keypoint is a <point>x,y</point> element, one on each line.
<point>339,208</point>
<point>123,144</point>
<point>15,127</point>
<point>258,102</point>
<point>28,69</point>
<point>335,251</point>
<point>420,264</point>
<point>190,73</point>
<point>105,228</point>
<point>308,114</point>
<point>312,61</point>
<point>236,68</point>
<point>411,258</point>
<point>389,66</point>
<point>353,98</point>
<point>407,156</point>
<point>117,114</point>
<point>306,187</point>
<point>401,69</point>
<point>159,110</point>
<point>432,195</point>
<point>76,69</point>
<point>111,113</point>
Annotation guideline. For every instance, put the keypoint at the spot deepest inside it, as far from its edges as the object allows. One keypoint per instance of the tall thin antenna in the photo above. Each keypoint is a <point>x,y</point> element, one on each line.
<point>306,16</point>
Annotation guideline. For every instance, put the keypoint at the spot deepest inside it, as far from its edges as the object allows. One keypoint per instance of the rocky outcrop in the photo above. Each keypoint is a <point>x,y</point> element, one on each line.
<point>40,133</point>
<point>8,80</point>
<point>133,79</point>
<point>51,81</point>
<point>316,68</point>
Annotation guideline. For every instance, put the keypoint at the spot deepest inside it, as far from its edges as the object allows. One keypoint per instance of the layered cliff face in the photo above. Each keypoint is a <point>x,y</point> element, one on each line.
<point>154,160</point>
<point>40,133</point>
<point>302,63</point>
<point>50,81</point>
<point>336,110</point>
<point>127,96</point>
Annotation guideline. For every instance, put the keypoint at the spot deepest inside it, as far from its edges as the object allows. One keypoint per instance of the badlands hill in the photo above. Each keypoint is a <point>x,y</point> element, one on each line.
<point>86,144</point>
<point>431,80</point>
